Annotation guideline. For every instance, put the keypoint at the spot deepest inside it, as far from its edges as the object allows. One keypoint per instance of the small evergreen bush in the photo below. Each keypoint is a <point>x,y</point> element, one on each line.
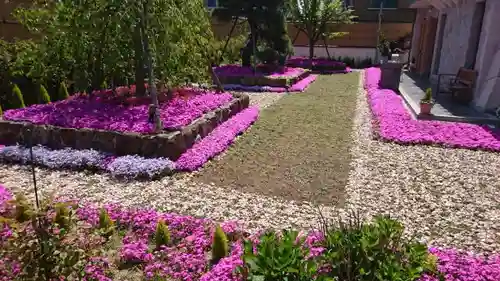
<point>17,99</point>
<point>43,95</point>
<point>62,92</point>
<point>220,247</point>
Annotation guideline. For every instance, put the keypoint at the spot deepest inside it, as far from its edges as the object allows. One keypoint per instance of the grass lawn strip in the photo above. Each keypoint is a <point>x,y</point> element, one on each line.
<point>298,149</point>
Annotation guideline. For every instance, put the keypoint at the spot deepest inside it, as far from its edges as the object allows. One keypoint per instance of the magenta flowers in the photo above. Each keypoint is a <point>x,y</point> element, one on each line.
<point>217,141</point>
<point>392,122</point>
<point>95,113</point>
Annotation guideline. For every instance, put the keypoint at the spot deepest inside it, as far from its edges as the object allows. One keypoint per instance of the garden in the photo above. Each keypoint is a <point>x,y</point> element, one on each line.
<point>144,92</point>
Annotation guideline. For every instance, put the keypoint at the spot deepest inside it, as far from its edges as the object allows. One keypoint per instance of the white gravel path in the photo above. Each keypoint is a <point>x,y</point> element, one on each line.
<point>447,197</point>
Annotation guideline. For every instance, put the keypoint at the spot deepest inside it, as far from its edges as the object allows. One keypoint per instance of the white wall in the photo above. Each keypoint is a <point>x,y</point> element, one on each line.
<point>359,53</point>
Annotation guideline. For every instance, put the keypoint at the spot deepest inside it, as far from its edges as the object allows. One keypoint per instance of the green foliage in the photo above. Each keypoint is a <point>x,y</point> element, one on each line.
<point>43,95</point>
<point>375,251</point>
<point>267,23</point>
<point>46,251</point>
<point>220,246</point>
<point>106,224</point>
<point>427,97</point>
<point>320,19</point>
<point>232,52</point>
<point>162,234</point>
<point>62,92</point>
<point>91,43</point>
<point>279,256</point>
<point>1,110</point>
<point>22,209</point>
<point>17,99</point>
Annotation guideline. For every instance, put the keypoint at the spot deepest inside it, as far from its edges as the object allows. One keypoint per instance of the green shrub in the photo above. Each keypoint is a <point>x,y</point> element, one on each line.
<point>162,234</point>
<point>17,100</point>
<point>106,224</point>
<point>63,216</point>
<point>220,247</point>
<point>376,251</point>
<point>280,256</point>
<point>1,111</point>
<point>43,95</point>
<point>62,92</point>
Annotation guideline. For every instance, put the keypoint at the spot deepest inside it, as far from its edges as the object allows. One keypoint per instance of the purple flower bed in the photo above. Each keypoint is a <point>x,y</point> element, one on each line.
<point>320,64</point>
<point>238,70</point>
<point>123,166</point>
<point>300,86</point>
<point>94,113</point>
<point>185,258</point>
<point>392,122</point>
<point>217,141</point>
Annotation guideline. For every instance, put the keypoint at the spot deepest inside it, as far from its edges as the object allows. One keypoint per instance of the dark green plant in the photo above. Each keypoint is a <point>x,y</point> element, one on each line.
<point>376,251</point>
<point>220,245</point>
<point>43,95</point>
<point>278,256</point>
<point>162,234</point>
<point>106,224</point>
<point>63,216</point>
<point>1,111</point>
<point>17,100</point>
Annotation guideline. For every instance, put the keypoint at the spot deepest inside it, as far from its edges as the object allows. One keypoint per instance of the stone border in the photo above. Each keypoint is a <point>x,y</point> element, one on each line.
<point>166,144</point>
<point>262,80</point>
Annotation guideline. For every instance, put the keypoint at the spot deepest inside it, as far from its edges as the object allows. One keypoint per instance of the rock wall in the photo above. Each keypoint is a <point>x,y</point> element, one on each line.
<point>165,144</point>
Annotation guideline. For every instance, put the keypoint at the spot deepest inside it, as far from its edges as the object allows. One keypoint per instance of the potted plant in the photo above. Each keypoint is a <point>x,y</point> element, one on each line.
<point>426,103</point>
<point>384,48</point>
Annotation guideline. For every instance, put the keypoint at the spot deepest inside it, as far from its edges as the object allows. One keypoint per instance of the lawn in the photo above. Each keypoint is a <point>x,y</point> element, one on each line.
<point>299,149</point>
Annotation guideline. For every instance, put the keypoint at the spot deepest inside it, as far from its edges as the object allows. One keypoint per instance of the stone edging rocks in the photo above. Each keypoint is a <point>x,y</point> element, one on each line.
<point>169,144</point>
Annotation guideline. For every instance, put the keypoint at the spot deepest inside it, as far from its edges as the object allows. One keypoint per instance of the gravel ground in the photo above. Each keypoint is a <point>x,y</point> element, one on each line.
<point>447,197</point>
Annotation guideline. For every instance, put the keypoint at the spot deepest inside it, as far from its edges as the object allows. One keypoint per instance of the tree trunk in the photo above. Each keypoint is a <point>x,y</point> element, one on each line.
<point>140,74</point>
<point>311,51</point>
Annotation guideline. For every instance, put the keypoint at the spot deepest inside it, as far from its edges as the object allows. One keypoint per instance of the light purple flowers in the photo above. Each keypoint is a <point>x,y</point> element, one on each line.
<point>320,64</point>
<point>300,86</point>
<point>217,141</point>
<point>392,122</point>
<point>96,113</point>
<point>238,70</point>
<point>134,166</point>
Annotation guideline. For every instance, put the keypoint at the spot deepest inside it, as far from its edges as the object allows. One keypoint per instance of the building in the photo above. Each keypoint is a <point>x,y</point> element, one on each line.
<point>449,34</point>
<point>394,11</point>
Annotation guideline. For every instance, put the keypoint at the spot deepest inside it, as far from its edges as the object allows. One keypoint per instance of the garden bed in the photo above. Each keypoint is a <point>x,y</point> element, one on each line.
<point>236,77</point>
<point>393,123</point>
<point>321,65</point>
<point>134,166</point>
<point>85,123</point>
<point>116,243</point>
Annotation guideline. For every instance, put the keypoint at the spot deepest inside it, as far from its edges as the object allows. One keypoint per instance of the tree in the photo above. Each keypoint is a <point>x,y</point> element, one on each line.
<point>320,19</point>
<point>267,23</point>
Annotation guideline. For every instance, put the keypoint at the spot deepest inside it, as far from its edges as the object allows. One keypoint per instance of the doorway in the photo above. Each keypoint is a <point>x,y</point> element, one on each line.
<point>426,50</point>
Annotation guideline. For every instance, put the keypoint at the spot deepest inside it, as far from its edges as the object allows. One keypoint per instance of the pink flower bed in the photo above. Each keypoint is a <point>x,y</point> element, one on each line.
<point>394,123</point>
<point>98,113</point>
<point>321,64</point>
<point>238,70</point>
<point>185,258</point>
<point>217,141</point>
<point>300,86</point>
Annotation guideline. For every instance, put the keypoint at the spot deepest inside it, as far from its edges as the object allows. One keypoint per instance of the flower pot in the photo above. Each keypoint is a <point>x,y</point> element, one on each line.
<point>425,108</point>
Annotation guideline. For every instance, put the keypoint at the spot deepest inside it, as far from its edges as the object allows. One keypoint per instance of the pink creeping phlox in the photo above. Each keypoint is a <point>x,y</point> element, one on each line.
<point>83,111</point>
<point>186,258</point>
<point>393,123</point>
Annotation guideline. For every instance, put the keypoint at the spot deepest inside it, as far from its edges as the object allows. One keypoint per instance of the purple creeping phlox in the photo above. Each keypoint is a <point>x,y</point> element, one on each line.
<point>128,166</point>
<point>392,122</point>
<point>185,258</point>
<point>217,141</point>
<point>82,111</point>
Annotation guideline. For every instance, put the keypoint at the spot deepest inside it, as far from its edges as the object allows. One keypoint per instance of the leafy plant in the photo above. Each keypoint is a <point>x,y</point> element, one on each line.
<point>162,234</point>
<point>220,246</point>
<point>320,19</point>
<point>63,216</point>
<point>17,98</point>
<point>427,96</point>
<point>62,92</point>
<point>377,251</point>
<point>106,224</point>
<point>43,95</point>
<point>278,256</point>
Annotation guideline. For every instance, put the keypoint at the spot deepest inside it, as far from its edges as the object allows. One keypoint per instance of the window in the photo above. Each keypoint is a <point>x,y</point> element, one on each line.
<point>212,4</point>
<point>388,4</point>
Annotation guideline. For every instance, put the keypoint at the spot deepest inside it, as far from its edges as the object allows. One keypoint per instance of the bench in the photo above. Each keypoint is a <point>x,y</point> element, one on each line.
<point>461,86</point>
